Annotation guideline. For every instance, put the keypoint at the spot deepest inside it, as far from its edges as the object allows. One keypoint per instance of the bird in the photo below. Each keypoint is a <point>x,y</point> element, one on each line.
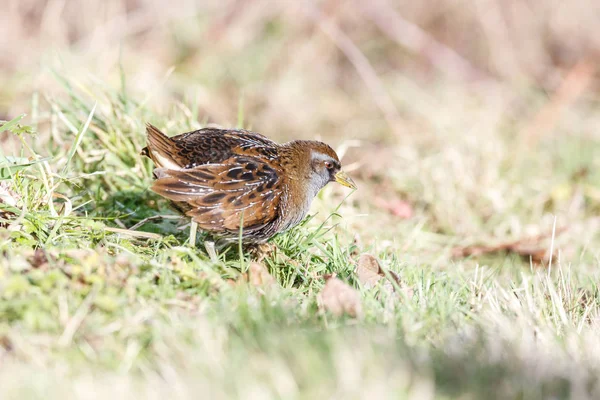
<point>234,182</point>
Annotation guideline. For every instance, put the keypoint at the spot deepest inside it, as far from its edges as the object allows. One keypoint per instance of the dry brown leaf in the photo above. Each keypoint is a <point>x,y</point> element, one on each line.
<point>536,254</point>
<point>5,216</point>
<point>339,298</point>
<point>368,270</point>
<point>259,275</point>
<point>530,248</point>
<point>389,287</point>
<point>39,259</point>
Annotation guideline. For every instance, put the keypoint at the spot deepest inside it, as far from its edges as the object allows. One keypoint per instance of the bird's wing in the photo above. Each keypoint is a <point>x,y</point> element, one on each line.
<point>242,190</point>
<point>206,146</point>
<point>210,145</point>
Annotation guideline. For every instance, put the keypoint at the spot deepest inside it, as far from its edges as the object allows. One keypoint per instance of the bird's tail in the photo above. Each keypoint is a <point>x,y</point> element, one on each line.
<point>161,149</point>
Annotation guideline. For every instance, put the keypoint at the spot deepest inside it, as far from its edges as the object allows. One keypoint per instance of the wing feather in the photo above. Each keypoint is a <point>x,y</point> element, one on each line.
<point>211,146</point>
<point>221,196</point>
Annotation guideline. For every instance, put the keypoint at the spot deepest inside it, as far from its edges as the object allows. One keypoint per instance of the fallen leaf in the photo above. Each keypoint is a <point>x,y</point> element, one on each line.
<point>5,216</point>
<point>536,254</point>
<point>528,248</point>
<point>39,259</point>
<point>389,286</point>
<point>368,270</point>
<point>339,298</point>
<point>259,275</point>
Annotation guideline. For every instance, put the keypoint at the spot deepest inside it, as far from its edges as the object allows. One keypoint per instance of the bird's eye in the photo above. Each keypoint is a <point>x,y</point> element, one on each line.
<point>328,164</point>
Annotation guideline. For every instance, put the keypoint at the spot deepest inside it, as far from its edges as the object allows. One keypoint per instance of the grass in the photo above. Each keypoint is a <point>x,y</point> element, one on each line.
<point>443,161</point>
<point>89,308</point>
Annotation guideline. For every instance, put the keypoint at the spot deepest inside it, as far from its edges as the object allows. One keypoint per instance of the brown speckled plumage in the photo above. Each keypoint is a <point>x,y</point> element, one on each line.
<point>221,178</point>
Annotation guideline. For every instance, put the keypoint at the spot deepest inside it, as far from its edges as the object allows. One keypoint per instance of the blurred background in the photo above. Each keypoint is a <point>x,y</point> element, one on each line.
<point>470,115</point>
<point>338,65</point>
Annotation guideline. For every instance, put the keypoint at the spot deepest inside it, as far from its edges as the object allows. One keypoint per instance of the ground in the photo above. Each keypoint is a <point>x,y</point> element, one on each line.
<point>478,201</point>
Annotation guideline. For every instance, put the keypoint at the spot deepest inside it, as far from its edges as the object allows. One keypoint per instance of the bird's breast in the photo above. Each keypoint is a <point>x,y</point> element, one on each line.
<point>295,205</point>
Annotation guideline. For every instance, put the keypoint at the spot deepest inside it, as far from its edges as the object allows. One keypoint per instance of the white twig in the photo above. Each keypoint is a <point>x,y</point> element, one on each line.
<point>140,234</point>
<point>193,230</point>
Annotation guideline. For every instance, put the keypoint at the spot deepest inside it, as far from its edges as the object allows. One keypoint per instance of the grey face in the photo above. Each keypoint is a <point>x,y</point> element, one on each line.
<point>324,168</point>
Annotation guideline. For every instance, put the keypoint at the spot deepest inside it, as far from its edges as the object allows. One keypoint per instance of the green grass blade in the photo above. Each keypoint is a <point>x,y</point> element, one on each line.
<point>79,137</point>
<point>7,126</point>
<point>10,165</point>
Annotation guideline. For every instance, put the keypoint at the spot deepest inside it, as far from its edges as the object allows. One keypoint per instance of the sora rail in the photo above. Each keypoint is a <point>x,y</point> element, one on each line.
<point>224,178</point>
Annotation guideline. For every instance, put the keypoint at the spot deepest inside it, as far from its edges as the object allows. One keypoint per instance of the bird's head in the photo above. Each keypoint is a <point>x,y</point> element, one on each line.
<point>319,164</point>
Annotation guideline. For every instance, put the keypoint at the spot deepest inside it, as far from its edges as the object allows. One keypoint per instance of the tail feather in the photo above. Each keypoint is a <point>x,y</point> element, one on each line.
<point>161,149</point>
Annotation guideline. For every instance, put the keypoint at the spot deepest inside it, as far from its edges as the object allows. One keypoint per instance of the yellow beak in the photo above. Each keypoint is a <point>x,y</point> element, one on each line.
<point>345,180</point>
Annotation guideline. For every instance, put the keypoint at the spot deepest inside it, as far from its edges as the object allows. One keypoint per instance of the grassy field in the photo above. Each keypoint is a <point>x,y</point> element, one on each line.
<point>478,169</point>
